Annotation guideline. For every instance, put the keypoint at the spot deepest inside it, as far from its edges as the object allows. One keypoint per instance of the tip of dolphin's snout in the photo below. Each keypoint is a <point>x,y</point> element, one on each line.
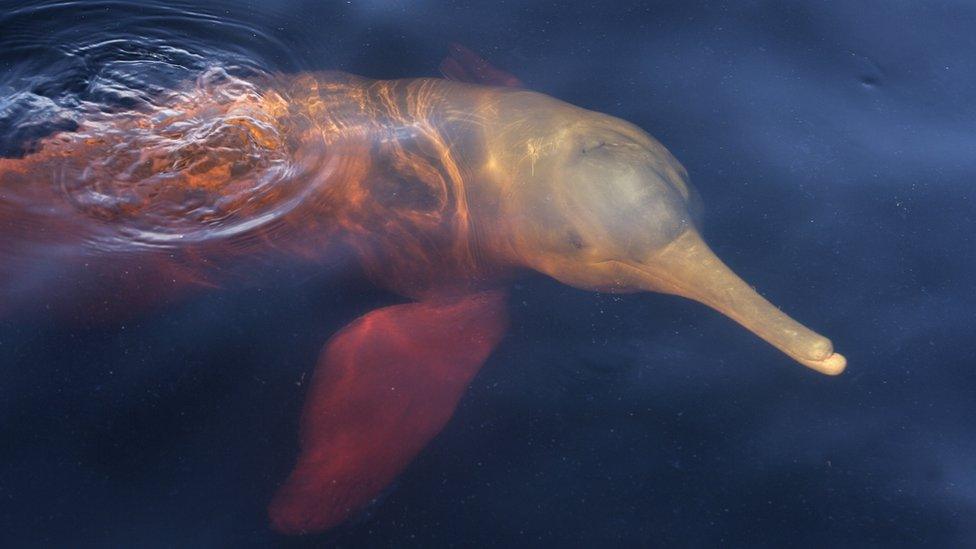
<point>832,365</point>
<point>818,354</point>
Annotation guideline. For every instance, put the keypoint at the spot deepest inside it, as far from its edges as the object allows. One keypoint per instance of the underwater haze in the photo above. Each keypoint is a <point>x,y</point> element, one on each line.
<point>834,149</point>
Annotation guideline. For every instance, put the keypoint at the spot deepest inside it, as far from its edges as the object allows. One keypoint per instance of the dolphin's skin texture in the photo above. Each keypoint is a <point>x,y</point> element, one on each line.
<point>443,190</point>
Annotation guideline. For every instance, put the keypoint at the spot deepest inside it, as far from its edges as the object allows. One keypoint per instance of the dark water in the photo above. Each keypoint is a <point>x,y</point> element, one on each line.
<point>832,144</point>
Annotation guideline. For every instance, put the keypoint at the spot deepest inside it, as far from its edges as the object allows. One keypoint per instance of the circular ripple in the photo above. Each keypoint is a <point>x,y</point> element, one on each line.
<point>155,122</point>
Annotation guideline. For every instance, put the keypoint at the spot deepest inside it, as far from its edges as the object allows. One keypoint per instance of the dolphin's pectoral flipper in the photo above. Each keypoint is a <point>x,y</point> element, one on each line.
<point>384,386</point>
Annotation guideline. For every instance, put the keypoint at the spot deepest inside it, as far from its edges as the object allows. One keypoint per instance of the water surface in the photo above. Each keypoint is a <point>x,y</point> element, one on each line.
<point>832,146</point>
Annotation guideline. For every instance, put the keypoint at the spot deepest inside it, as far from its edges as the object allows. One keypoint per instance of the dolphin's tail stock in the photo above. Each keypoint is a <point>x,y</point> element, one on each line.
<point>32,226</point>
<point>52,261</point>
<point>384,386</point>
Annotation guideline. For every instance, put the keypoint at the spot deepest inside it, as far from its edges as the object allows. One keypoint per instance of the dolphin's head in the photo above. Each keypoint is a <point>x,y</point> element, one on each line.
<point>596,193</point>
<point>596,203</point>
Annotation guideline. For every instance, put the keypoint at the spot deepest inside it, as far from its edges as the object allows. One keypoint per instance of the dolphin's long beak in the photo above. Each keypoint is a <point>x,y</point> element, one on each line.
<point>688,267</point>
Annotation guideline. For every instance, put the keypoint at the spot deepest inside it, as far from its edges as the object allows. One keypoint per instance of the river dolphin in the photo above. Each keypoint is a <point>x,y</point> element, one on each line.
<point>444,189</point>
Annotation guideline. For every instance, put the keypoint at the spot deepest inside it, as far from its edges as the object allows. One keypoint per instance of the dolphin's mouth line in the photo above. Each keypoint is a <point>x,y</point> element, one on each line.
<point>689,269</point>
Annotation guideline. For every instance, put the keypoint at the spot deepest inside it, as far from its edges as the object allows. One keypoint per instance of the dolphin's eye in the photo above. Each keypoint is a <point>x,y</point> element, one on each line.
<point>576,240</point>
<point>592,146</point>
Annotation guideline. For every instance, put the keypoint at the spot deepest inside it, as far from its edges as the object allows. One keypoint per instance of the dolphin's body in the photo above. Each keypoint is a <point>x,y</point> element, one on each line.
<point>444,190</point>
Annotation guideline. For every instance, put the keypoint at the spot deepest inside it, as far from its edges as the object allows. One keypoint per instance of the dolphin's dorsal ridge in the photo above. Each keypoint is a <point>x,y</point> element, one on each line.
<point>464,65</point>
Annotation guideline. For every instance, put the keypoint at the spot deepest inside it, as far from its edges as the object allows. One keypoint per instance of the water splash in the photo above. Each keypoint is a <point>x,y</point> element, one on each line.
<point>146,126</point>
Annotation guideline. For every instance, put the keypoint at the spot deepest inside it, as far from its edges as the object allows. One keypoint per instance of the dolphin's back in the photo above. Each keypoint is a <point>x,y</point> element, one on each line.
<point>225,171</point>
<point>177,191</point>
